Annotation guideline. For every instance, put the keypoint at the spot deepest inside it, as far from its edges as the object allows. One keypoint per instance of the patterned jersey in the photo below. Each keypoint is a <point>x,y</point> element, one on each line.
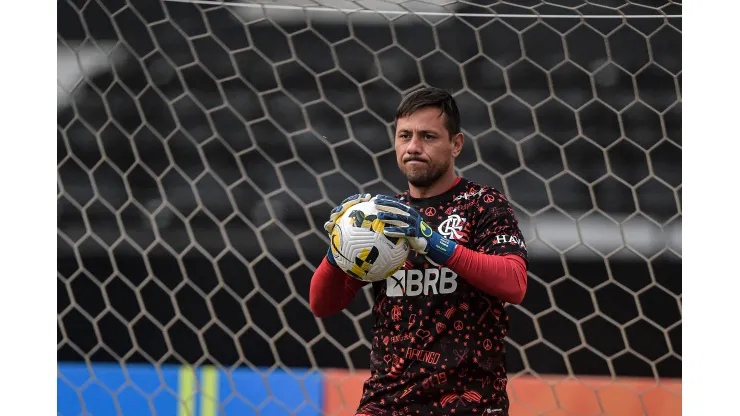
<point>438,342</point>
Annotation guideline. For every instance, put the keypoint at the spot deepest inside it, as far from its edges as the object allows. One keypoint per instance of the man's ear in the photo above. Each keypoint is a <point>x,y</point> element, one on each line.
<point>457,144</point>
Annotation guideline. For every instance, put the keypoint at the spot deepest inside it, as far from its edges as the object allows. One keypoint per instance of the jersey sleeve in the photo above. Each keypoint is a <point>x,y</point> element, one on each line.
<point>497,229</point>
<point>331,290</point>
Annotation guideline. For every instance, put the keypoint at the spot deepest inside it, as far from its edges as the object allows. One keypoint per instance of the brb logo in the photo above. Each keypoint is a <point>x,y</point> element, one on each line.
<point>421,282</point>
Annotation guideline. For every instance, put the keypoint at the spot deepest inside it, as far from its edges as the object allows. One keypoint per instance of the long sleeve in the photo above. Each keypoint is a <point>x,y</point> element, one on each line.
<point>502,276</point>
<point>331,290</point>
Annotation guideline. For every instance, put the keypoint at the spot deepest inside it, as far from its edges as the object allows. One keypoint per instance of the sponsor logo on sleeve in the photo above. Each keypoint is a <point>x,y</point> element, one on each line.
<point>510,239</point>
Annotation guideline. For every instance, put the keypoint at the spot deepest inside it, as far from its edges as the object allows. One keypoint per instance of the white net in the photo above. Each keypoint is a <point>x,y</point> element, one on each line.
<point>201,146</point>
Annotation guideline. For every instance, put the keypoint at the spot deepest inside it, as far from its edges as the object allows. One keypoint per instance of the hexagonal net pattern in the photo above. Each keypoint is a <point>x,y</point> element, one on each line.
<point>201,146</point>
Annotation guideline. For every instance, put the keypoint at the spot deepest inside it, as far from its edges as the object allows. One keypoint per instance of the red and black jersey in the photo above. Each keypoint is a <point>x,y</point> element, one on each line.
<point>438,342</point>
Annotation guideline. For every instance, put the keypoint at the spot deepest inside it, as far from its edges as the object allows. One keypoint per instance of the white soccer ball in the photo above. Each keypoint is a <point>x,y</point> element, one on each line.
<point>360,248</point>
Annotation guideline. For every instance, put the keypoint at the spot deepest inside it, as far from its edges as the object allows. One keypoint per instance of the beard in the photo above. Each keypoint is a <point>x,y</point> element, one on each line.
<point>425,175</point>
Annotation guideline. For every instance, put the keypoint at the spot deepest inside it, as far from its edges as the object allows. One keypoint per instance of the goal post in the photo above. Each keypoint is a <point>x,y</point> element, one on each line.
<point>202,144</point>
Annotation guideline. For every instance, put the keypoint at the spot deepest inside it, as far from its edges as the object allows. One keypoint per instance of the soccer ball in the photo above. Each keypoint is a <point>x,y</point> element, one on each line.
<point>360,248</point>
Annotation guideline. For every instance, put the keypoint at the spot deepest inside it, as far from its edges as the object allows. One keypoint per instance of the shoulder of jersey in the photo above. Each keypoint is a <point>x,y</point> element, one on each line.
<point>479,190</point>
<point>482,191</point>
<point>488,190</point>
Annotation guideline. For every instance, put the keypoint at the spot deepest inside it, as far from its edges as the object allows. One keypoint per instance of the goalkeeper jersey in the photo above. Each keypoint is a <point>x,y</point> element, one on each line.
<point>437,341</point>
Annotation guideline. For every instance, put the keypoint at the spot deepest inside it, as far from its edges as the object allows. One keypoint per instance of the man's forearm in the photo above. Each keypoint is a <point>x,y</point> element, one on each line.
<point>504,277</point>
<point>331,290</point>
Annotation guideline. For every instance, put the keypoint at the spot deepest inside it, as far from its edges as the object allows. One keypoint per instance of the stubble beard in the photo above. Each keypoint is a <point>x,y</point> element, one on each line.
<point>426,176</point>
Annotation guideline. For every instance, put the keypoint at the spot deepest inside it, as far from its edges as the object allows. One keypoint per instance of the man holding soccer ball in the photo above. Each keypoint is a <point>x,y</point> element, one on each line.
<point>438,338</point>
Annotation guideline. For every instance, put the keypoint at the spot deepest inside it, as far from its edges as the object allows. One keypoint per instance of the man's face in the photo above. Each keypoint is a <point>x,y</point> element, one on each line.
<point>424,149</point>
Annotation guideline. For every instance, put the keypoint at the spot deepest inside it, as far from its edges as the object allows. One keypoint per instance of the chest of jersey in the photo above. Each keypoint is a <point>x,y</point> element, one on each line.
<point>420,278</point>
<point>453,224</point>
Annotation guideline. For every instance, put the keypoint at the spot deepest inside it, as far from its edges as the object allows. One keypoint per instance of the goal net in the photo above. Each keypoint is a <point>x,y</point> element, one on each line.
<point>202,144</point>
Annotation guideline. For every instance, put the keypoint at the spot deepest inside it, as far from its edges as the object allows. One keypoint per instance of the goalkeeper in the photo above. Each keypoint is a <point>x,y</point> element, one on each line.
<point>440,323</point>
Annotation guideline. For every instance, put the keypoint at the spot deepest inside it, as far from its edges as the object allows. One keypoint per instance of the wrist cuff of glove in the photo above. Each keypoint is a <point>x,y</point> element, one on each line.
<point>440,249</point>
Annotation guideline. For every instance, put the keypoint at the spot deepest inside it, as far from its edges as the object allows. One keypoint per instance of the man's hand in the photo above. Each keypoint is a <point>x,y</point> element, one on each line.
<point>337,212</point>
<point>342,208</point>
<point>403,221</point>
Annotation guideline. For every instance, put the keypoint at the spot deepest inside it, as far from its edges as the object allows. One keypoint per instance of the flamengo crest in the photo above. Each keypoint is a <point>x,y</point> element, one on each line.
<point>451,227</point>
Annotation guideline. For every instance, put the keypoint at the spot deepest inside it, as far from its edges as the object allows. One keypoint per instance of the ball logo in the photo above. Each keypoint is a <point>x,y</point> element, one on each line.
<point>451,227</point>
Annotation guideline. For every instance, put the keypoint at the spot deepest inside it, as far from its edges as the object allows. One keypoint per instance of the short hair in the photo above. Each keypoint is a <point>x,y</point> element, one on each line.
<point>432,97</point>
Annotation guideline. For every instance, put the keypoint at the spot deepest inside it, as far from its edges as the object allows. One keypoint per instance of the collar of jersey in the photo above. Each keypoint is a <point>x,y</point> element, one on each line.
<point>447,196</point>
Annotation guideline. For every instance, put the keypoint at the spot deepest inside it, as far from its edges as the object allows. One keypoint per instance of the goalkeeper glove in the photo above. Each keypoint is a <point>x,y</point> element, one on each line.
<point>403,221</point>
<point>336,213</point>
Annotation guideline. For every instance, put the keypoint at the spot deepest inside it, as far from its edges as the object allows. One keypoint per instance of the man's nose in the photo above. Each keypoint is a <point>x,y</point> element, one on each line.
<point>414,146</point>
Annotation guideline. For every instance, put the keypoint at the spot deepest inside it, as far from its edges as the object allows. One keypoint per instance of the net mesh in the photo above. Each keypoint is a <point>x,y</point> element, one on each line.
<point>201,146</point>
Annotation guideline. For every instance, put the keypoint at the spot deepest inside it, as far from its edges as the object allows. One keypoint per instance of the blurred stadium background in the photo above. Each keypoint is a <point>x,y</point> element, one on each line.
<point>201,147</point>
